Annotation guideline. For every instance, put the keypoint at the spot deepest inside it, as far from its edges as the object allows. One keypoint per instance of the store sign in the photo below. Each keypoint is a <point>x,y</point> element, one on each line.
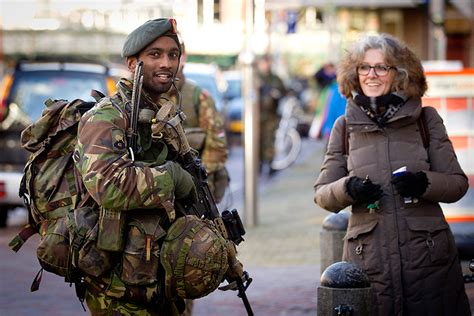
<point>448,85</point>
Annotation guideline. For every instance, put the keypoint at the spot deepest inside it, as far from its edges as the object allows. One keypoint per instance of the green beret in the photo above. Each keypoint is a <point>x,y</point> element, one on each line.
<point>146,34</point>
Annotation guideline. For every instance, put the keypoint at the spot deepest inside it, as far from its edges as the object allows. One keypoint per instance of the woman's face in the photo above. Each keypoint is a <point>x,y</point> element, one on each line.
<point>378,80</point>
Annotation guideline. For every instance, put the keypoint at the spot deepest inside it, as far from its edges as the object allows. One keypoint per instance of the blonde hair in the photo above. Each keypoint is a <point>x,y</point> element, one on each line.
<point>409,80</point>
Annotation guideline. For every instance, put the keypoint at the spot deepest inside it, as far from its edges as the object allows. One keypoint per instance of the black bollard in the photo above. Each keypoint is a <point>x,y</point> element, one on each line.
<point>345,290</point>
<point>331,238</point>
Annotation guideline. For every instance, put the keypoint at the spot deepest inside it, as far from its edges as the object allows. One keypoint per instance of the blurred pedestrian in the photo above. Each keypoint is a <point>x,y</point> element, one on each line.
<point>397,232</point>
<point>334,106</point>
<point>270,90</point>
<point>325,79</point>
<point>204,127</point>
<point>325,75</point>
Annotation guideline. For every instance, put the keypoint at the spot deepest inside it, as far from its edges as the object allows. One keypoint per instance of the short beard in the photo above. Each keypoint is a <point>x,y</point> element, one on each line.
<point>155,91</point>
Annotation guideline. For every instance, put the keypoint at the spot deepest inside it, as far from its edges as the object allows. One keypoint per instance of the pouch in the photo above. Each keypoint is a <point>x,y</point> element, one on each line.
<point>111,230</point>
<point>86,256</point>
<point>141,255</point>
<point>53,249</point>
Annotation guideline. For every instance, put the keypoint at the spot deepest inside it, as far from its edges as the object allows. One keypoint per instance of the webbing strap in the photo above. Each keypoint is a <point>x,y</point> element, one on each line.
<point>345,137</point>
<point>424,130</point>
<point>17,242</point>
<point>422,127</point>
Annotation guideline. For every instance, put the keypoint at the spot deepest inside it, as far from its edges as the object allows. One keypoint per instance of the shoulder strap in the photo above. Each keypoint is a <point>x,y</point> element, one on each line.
<point>422,126</point>
<point>197,99</point>
<point>424,130</point>
<point>345,137</point>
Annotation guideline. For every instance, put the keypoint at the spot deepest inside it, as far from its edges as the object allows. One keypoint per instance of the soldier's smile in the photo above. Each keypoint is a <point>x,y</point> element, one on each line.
<point>162,77</point>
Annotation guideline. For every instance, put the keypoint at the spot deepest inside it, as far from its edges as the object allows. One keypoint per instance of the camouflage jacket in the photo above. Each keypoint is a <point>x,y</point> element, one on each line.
<point>115,181</point>
<point>201,113</point>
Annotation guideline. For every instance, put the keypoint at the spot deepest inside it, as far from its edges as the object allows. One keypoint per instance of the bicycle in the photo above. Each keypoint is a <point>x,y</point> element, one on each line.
<point>287,137</point>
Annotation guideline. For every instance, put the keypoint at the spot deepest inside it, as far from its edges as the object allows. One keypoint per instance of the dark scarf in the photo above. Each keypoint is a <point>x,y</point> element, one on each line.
<point>380,109</point>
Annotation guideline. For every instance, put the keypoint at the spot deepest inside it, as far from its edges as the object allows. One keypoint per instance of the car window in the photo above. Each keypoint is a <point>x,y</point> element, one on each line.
<point>31,89</point>
<point>207,82</point>
<point>234,89</point>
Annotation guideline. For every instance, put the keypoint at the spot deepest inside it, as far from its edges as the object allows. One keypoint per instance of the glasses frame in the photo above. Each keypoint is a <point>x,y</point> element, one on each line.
<point>375,70</point>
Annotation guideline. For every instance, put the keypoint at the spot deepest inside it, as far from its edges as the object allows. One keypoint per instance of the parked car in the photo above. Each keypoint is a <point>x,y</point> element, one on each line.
<point>235,102</point>
<point>22,94</point>
<point>210,78</point>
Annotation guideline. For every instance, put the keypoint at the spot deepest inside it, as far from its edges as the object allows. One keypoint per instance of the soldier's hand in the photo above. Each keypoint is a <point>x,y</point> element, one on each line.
<point>183,182</point>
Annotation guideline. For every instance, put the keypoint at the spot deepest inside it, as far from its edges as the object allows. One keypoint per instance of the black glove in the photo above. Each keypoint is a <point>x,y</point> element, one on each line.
<point>183,182</point>
<point>363,191</point>
<point>410,184</point>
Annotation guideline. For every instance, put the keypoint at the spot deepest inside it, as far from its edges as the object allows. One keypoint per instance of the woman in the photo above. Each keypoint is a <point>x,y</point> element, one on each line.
<point>397,232</point>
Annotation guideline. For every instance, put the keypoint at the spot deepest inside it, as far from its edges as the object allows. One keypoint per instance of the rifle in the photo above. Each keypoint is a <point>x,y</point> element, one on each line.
<point>135,106</point>
<point>229,223</point>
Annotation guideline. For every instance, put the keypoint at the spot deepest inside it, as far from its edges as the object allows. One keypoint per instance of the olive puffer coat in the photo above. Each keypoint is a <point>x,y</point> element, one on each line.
<point>407,250</point>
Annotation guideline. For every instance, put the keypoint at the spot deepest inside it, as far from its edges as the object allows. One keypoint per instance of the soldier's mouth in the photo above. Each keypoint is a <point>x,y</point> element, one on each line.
<point>165,78</point>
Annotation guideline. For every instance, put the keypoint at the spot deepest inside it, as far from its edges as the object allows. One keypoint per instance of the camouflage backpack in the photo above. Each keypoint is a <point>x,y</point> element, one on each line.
<point>50,191</point>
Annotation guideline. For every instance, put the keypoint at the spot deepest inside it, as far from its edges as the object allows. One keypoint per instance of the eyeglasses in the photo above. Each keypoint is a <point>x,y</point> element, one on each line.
<point>380,70</point>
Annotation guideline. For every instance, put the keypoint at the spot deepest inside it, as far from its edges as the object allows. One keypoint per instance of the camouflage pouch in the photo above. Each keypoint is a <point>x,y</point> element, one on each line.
<point>196,137</point>
<point>140,259</point>
<point>53,249</point>
<point>119,290</point>
<point>111,230</point>
<point>218,183</point>
<point>84,227</point>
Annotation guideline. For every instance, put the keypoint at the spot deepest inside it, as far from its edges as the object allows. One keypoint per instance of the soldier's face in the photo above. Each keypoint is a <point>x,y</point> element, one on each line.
<point>160,64</point>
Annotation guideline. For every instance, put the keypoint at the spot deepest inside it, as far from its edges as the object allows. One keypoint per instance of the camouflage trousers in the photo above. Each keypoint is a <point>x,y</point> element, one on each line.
<point>103,305</point>
<point>267,140</point>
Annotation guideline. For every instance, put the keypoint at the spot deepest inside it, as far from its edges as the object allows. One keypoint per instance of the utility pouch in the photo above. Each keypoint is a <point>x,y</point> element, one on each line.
<point>141,255</point>
<point>84,230</point>
<point>196,137</point>
<point>117,289</point>
<point>111,230</point>
<point>53,248</point>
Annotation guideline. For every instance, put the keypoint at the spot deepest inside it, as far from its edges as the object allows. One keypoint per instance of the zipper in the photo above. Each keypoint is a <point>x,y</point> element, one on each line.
<point>395,218</point>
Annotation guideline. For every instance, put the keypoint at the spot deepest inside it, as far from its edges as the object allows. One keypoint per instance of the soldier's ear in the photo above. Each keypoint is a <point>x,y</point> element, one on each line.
<point>131,63</point>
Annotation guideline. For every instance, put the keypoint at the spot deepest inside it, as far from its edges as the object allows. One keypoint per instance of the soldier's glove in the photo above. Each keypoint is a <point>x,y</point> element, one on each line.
<point>409,184</point>
<point>363,191</point>
<point>183,182</point>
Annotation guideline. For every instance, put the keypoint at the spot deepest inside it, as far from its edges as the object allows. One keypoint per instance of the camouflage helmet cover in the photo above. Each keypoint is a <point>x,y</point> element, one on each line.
<point>194,256</point>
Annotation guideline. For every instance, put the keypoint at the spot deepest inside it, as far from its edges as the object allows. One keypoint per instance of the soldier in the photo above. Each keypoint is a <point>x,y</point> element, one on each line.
<point>270,90</point>
<point>204,128</point>
<point>135,192</point>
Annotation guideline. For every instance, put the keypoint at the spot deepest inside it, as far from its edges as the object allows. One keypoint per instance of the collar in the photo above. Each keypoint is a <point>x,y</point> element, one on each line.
<point>382,108</point>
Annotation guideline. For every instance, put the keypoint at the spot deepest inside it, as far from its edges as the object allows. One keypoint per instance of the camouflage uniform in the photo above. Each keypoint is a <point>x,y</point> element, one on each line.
<point>205,130</point>
<point>143,188</point>
<point>271,90</point>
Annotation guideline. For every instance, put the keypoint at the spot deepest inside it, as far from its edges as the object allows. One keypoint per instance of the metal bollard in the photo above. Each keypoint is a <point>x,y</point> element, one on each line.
<point>345,290</point>
<point>331,238</point>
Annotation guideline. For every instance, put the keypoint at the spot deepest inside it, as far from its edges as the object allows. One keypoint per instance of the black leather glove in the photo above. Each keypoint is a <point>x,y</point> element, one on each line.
<point>409,184</point>
<point>183,182</point>
<point>363,191</point>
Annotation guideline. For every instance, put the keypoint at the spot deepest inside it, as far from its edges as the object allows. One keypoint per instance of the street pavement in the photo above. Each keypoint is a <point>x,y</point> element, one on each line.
<point>281,254</point>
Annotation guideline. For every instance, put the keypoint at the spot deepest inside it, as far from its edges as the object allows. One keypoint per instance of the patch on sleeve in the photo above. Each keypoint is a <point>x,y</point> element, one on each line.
<point>204,95</point>
<point>118,140</point>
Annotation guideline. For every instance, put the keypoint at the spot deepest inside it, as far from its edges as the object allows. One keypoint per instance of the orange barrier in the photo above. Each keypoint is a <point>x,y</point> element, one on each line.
<point>452,94</point>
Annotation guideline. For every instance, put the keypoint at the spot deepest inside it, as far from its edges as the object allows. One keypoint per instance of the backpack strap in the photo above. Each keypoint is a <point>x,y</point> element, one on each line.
<point>26,232</point>
<point>345,137</point>
<point>422,127</point>
<point>424,130</point>
<point>97,95</point>
<point>197,99</point>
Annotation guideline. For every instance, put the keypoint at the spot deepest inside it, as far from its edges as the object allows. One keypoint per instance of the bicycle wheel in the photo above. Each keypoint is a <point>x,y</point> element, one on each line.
<point>287,149</point>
